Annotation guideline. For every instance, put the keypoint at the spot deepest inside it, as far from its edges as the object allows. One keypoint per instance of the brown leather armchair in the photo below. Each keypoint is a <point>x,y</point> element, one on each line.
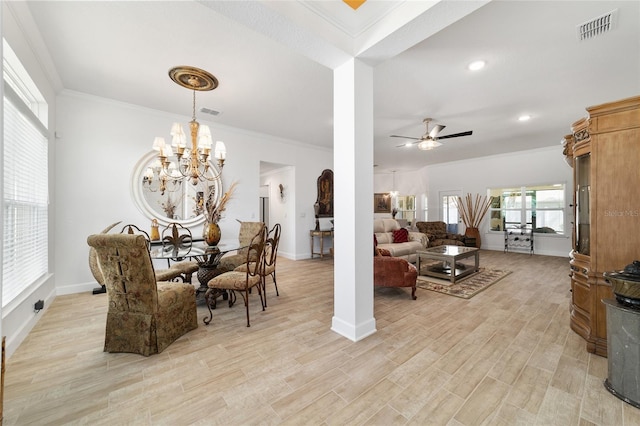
<point>391,271</point>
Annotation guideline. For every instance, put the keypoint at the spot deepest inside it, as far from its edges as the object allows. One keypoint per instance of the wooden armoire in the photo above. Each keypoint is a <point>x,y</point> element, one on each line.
<point>604,151</point>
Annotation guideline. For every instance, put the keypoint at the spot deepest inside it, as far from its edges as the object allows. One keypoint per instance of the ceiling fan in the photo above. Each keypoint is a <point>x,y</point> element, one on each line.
<point>430,138</point>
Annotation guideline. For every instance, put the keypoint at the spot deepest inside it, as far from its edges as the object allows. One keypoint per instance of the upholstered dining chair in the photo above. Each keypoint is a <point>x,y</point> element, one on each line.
<point>144,316</point>
<point>94,265</point>
<point>241,281</point>
<point>248,230</point>
<point>270,256</point>
<point>175,236</point>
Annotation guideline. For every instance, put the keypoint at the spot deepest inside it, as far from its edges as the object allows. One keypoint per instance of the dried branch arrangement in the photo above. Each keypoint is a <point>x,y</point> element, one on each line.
<point>213,210</point>
<point>473,209</point>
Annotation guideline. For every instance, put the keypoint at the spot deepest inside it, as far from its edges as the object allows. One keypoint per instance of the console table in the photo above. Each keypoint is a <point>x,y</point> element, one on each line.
<point>320,234</point>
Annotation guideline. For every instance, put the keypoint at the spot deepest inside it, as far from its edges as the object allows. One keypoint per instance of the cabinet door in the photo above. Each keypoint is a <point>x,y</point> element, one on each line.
<point>583,204</point>
<point>617,212</point>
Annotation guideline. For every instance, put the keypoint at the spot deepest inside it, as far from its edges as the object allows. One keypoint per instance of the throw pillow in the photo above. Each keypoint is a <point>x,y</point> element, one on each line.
<point>400,235</point>
<point>375,245</point>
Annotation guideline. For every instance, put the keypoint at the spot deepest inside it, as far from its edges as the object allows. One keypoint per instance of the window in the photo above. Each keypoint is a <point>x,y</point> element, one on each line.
<point>25,171</point>
<point>425,206</point>
<point>406,207</point>
<point>538,207</point>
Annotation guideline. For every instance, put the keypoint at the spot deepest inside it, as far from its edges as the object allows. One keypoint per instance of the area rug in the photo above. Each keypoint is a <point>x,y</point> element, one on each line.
<point>465,288</point>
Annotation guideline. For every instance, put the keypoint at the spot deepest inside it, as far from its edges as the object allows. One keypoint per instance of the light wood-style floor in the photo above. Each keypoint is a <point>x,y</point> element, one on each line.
<point>504,357</point>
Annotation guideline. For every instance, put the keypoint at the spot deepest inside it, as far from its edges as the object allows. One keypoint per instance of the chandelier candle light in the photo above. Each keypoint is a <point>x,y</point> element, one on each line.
<point>192,162</point>
<point>472,211</point>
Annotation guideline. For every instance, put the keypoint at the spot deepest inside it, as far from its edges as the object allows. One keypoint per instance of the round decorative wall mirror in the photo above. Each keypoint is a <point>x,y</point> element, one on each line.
<point>172,200</point>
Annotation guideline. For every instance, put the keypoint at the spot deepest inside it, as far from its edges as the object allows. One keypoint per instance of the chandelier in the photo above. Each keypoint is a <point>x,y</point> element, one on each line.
<point>190,162</point>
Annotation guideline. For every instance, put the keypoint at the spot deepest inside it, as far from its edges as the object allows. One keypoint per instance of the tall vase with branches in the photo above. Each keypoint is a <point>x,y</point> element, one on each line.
<point>213,210</point>
<point>472,212</point>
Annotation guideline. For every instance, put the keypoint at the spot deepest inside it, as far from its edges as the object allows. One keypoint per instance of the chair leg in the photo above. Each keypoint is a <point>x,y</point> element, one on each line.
<point>246,304</point>
<point>263,283</point>
<point>207,297</point>
<point>275,283</point>
<point>263,302</point>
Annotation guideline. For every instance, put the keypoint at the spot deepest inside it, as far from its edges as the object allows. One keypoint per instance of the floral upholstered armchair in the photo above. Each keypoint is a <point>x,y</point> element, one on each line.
<point>144,316</point>
<point>438,235</point>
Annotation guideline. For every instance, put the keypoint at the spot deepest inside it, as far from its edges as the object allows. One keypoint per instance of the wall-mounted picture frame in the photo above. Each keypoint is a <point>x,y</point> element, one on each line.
<point>382,202</point>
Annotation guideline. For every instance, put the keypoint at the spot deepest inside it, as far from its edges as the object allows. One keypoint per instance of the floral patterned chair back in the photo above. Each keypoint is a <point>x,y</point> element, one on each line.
<point>144,316</point>
<point>248,230</point>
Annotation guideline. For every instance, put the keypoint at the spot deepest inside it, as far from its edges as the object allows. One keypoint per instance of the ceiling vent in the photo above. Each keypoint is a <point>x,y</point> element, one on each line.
<point>597,26</point>
<point>209,111</point>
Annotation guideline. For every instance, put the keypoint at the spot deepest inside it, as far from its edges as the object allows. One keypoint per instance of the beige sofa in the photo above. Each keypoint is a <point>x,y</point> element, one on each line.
<point>383,230</point>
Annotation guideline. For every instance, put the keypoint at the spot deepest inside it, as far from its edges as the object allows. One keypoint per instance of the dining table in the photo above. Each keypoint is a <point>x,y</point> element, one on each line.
<point>207,257</point>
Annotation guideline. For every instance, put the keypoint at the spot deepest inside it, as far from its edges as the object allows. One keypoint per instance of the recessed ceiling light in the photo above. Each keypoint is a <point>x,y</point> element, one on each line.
<point>524,118</point>
<point>476,65</point>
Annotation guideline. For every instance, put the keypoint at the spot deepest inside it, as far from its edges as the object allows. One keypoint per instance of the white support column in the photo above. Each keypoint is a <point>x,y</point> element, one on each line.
<point>353,200</point>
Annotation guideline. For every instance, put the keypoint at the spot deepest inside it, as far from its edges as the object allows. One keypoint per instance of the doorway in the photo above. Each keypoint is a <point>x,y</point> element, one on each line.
<point>449,210</point>
<point>264,204</point>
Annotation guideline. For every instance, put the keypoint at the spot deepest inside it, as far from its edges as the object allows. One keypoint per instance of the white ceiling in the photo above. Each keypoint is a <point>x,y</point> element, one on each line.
<point>273,61</point>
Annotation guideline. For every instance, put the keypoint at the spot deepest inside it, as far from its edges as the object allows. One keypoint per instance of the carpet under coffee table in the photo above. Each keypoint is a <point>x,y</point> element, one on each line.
<point>448,262</point>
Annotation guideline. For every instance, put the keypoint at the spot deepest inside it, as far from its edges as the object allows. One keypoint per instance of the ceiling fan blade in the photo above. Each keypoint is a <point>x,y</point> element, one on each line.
<point>436,129</point>
<point>455,135</point>
<point>404,137</point>
<point>408,143</point>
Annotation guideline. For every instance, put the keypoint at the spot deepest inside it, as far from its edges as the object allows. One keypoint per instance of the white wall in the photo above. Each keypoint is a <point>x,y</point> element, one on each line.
<point>19,317</point>
<point>100,143</point>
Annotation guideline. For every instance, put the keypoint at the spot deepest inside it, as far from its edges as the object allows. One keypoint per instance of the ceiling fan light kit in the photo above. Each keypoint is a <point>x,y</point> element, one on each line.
<point>428,145</point>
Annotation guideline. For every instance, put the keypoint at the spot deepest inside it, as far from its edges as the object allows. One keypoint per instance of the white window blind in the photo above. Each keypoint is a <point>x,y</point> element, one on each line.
<point>25,245</point>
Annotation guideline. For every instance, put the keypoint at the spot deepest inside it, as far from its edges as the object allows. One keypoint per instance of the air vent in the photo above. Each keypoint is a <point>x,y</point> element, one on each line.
<point>209,111</point>
<point>597,26</point>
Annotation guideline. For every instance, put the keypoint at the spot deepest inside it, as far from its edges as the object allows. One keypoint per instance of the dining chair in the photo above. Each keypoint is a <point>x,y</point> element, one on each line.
<point>169,274</point>
<point>270,257</point>
<point>144,316</point>
<point>94,265</point>
<point>176,237</point>
<point>247,231</point>
<point>241,281</point>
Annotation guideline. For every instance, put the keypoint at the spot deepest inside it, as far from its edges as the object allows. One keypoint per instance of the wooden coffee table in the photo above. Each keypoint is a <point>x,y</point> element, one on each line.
<point>446,262</point>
